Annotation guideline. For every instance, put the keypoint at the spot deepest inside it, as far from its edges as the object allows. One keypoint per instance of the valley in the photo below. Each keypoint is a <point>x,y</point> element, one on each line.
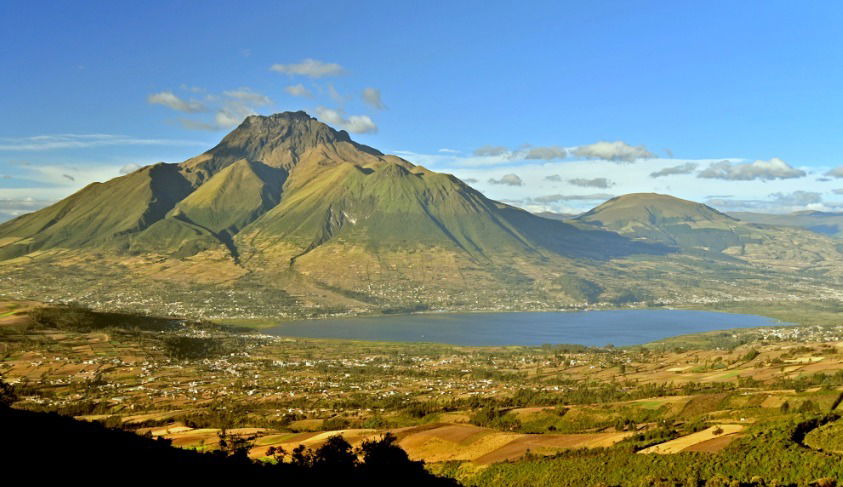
<point>462,410</point>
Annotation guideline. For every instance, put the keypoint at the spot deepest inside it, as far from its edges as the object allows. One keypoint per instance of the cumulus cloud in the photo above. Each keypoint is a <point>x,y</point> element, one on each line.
<point>837,172</point>
<point>356,124</point>
<point>797,198</point>
<point>470,180</point>
<point>553,177</point>
<point>526,152</point>
<point>298,90</point>
<point>508,179</point>
<point>601,183</point>
<point>231,116</point>
<point>449,151</point>
<point>372,96</point>
<point>490,151</point>
<point>554,198</point>
<point>546,153</point>
<point>170,100</point>
<point>837,191</point>
<point>309,67</point>
<point>775,168</point>
<point>686,168</point>
<point>231,107</point>
<point>613,151</point>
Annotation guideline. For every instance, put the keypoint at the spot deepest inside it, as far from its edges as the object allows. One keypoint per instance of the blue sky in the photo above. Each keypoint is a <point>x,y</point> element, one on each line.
<point>548,105</point>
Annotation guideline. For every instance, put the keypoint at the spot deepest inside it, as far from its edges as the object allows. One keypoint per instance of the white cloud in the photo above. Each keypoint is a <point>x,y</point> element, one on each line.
<point>837,172</point>
<point>309,67</point>
<point>541,178</point>
<point>231,116</point>
<point>686,168</point>
<point>372,96</point>
<point>613,151</point>
<point>82,141</point>
<point>170,100</point>
<point>230,108</point>
<point>508,179</point>
<point>298,90</point>
<point>490,151</point>
<point>797,198</point>
<point>356,124</point>
<point>775,168</point>
<point>546,153</point>
<point>601,183</point>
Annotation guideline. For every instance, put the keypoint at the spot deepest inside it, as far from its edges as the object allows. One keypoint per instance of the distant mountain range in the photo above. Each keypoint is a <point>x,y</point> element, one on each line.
<point>826,223</point>
<point>286,214</point>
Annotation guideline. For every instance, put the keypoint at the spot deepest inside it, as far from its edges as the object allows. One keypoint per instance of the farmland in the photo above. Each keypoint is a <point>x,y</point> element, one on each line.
<point>480,414</point>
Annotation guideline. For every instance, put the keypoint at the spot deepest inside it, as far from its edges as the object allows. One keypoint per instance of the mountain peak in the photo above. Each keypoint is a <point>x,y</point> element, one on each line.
<point>278,140</point>
<point>296,130</point>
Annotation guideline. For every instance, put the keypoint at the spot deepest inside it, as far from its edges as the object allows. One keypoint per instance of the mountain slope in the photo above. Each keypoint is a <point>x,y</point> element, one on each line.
<point>298,205</point>
<point>697,229</point>
<point>668,220</point>
<point>101,214</point>
<point>289,216</point>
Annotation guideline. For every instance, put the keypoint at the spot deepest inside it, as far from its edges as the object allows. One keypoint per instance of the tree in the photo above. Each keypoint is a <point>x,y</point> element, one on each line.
<point>335,456</point>
<point>235,446</point>
<point>7,394</point>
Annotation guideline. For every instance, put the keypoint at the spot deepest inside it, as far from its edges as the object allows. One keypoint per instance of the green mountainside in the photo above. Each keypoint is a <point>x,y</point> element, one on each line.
<point>669,220</point>
<point>287,214</point>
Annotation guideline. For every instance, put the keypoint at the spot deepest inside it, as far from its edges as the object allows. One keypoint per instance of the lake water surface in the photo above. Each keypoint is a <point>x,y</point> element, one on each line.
<point>623,327</point>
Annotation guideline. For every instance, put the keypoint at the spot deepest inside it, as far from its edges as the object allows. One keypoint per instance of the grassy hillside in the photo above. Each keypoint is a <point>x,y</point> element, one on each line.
<point>100,215</point>
<point>287,216</point>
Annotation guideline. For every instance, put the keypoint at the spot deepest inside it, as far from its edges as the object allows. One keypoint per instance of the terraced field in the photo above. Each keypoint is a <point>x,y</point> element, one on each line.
<point>431,443</point>
<point>699,441</point>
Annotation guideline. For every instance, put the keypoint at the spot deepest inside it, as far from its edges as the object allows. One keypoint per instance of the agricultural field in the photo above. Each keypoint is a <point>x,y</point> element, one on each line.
<point>483,415</point>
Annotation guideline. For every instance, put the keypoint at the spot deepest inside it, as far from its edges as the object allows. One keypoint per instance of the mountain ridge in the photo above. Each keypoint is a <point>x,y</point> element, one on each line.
<point>286,209</point>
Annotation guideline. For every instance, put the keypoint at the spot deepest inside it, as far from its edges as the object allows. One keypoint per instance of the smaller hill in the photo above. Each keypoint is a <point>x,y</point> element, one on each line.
<point>668,220</point>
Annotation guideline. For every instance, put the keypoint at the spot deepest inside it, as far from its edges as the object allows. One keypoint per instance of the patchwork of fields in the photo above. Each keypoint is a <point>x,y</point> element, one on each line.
<point>463,410</point>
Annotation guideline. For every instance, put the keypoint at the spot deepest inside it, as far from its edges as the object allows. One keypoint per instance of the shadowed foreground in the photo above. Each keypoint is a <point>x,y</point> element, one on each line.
<point>92,451</point>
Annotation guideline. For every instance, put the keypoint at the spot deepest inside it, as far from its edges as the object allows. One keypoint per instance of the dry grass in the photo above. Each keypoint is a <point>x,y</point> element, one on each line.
<point>688,441</point>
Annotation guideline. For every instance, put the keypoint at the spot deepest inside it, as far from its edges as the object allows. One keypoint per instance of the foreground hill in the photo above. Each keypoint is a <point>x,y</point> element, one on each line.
<point>288,216</point>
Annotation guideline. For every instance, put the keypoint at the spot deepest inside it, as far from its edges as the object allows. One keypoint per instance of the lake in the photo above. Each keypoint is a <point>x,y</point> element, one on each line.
<point>622,327</point>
